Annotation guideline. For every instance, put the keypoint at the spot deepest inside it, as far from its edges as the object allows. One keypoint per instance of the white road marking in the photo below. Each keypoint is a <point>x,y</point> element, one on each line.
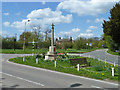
<point>23,79</point>
<point>95,87</point>
<point>62,73</point>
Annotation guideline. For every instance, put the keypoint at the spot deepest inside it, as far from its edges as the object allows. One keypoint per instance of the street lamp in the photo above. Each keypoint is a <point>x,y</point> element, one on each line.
<point>24,35</point>
<point>15,41</point>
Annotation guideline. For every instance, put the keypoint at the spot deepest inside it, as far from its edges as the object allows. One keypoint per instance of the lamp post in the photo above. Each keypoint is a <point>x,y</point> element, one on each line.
<point>24,36</point>
<point>15,41</point>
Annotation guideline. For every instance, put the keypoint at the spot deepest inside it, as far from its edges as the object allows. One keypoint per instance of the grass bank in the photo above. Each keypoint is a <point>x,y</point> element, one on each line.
<point>113,53</point>
<point>97,69</point>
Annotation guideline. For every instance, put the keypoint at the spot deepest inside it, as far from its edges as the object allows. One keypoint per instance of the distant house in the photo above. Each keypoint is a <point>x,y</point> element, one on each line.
<point>61,41</point>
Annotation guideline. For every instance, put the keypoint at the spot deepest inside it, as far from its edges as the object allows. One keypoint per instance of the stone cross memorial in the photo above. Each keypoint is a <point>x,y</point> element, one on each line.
<point>51,54</point>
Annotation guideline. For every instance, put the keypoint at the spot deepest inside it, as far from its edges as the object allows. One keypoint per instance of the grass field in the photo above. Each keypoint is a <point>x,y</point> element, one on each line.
<point>97,69</point>
<point>38,51</point>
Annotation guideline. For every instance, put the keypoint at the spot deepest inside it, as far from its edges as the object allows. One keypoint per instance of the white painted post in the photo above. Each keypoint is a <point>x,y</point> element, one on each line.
<point>114,64</point>
<point>23,58</point>
<point>113,72</point>
<point>55,63</point>
<point>99,59</point>
<point>89,56</point>
<point>105,61</point>
<point>77,67</point>
<point>36,60</point>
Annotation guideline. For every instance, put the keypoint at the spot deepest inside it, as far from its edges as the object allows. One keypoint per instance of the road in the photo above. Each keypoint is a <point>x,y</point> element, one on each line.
<point>21,76</point>
<point>102,55</point>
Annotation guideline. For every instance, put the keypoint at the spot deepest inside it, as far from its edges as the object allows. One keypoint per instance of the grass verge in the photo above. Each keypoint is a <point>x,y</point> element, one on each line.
<point>113,53</point>
<point>97,69</point>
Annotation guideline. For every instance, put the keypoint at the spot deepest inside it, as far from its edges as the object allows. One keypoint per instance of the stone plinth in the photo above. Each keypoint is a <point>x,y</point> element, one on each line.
<point>52,54</point>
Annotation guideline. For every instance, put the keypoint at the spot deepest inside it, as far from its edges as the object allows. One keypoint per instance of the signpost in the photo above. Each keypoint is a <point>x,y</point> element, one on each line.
<point>33,46</point>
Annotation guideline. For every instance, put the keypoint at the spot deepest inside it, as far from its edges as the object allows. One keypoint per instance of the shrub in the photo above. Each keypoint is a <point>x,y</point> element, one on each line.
<point>98,67</point>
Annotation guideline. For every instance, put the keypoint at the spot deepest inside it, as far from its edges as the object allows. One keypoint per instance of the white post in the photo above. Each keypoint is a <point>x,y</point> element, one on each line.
<point>36,60</point>
<point>23,58</point>
<point>89,56</point>
<point>55,63</point>
<point>113,72</point>
<point>99,59</point>
<point>77,67</point>
<point>114,64</point>
<point>105,61</point>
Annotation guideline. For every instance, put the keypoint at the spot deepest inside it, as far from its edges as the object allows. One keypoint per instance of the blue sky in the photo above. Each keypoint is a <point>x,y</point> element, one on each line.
<point>76,18</point>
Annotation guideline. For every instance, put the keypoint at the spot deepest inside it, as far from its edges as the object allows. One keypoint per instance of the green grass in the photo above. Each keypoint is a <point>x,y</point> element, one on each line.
<point>113,53</point>
<point>98,69</point>
<point>20,51</point>
<point>38,51</point>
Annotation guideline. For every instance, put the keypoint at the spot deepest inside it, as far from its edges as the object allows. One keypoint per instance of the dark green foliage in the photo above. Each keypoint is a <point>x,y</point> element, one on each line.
<point>112,26</point>
<point>8,43</point>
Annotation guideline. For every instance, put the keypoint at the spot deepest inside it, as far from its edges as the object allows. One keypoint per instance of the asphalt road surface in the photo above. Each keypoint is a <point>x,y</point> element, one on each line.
<point>102,55</point>
<point>21,76</point>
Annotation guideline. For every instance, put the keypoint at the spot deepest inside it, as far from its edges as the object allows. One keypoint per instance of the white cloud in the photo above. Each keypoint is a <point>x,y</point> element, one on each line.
<point>6,24</point>
<point>6,14</point>
<point>43,2</point>
<point>21,30</point>
<point>92,27</point>
<point>99,20</point>
<point>43,17</point>
<point>88,21</point>
<point>73,31</point>
<point>64,33</point>
<point>18,14</point>
<point>89,7</point>
<point>4,33</point>
<point>85,35</point>
<point>88,31</point>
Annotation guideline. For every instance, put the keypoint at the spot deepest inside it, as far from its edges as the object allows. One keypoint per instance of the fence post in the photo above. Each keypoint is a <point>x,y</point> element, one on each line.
<point>36,60</point>
<point>23,58</point>
<point>113,72</point>
<point>105,61</point>
<point>89,56</point>
<point>77,67</point>
<point>114,63</point>
<point>55,63</point>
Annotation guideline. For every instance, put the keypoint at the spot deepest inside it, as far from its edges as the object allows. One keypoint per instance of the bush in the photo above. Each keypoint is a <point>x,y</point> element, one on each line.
<point>98,67</point>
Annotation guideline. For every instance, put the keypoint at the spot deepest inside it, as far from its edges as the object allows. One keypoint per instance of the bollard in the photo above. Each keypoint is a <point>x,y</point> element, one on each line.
<point>114,64</point>
<point>99,59</point>
<point>55,63</point>
<point>23,58</point>
<point>113,72</point>
<point>36,60</point>
<point>77,67</point>
<point>105,61</point>
<point>89,56</point>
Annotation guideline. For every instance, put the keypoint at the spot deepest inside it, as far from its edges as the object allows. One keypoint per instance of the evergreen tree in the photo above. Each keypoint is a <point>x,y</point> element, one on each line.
<point>112,26</point>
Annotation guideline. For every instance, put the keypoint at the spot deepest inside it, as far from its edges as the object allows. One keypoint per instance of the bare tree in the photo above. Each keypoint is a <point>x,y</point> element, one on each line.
<point>37,32</point>
<point>47,31</point>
